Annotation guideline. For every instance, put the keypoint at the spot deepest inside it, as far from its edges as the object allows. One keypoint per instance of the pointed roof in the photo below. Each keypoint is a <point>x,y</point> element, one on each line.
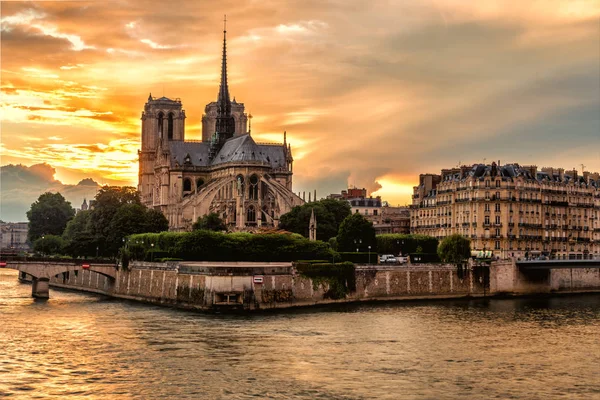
<point>223,87</point>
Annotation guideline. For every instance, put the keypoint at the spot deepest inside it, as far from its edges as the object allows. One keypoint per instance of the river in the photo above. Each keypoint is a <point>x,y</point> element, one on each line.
<point>81,345</point>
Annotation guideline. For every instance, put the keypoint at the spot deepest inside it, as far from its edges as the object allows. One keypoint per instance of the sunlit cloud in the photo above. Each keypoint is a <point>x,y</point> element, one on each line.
<point>371,94</point>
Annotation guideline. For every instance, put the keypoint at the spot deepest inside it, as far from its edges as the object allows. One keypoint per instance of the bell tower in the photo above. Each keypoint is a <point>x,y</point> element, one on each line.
<point>163,119</point>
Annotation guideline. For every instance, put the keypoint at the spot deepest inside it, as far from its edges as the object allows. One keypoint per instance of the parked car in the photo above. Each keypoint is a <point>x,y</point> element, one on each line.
<point>402,260</point>
<point>388,259</point>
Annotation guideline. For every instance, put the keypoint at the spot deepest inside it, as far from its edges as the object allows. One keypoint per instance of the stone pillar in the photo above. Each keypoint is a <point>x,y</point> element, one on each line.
<point>40,288</point>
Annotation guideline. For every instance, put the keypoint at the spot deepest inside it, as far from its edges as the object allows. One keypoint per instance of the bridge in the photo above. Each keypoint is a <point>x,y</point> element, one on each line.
<point>42,271</point>
<point>556,264</point>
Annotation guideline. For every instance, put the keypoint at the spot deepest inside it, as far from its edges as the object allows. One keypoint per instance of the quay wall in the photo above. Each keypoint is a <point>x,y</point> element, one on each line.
<point>202,287</point>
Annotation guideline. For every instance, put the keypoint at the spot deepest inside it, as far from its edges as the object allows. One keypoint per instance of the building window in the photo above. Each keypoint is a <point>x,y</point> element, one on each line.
<point>497,219</point>
<point>497,246</point>
<point>253,195</point>
<point>487,220</point>
<point>374,212</point>
<point>497,207</point>
<point>170,127</point>
<point>251,215</point>
<point>199,183</point>
<point>160,124</point>
<point>487,207</point>
<point>187,185</point>
<point>497,183</point>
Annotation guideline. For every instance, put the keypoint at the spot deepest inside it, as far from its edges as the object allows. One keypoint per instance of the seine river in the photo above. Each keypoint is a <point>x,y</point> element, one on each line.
<point>80,345</point>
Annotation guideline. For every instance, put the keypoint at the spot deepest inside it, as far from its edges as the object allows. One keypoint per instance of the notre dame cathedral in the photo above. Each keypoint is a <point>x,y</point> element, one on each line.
<point>248,184</point>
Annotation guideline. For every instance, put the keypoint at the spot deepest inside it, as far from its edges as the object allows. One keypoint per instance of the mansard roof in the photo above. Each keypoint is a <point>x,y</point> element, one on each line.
<point>237,149</point>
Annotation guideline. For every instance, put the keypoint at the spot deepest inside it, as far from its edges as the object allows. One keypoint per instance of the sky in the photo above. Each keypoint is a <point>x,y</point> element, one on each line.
<point>371,93</point>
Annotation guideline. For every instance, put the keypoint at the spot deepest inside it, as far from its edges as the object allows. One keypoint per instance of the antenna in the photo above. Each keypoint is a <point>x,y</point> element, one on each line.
<point>249,123</point>
<point>582,168</point>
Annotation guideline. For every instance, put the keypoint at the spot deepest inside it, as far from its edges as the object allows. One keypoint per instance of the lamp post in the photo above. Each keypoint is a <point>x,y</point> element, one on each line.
<point>97,248</point>
<point>369,254</point>
<point>152,252</point>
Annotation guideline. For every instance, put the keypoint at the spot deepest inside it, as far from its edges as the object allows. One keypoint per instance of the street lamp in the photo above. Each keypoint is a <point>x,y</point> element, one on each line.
<point>357,242</point>
<point>152,252</point>
<point>369,254</point>
<point>97,248</point>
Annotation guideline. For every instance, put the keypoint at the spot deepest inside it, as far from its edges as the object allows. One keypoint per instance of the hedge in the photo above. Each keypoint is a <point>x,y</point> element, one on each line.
<point>217,246</point>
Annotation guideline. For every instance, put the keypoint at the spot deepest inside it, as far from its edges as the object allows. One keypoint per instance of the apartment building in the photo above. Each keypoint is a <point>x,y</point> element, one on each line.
<point>512,210</point>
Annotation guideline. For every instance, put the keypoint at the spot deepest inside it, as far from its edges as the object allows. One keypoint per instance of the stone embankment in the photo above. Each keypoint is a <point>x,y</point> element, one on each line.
<point>253,286</point>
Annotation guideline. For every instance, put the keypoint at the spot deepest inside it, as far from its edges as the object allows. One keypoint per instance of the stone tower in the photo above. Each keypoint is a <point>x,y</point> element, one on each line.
<point>162,119</point>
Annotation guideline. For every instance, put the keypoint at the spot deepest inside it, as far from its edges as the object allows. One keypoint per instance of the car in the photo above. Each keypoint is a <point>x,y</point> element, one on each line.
<point>387,259</point>
<point>402,260</point>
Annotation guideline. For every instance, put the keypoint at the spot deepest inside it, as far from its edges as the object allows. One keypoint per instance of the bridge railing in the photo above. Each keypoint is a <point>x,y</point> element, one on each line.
<point>7,258</point>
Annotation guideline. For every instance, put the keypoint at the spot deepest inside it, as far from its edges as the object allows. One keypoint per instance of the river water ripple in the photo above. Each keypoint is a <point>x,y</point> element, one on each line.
<point>85,346</point>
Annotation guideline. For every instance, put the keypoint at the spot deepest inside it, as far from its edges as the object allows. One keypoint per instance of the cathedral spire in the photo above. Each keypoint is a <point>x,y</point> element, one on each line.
<point>224,88</point>
<point>225,124</point>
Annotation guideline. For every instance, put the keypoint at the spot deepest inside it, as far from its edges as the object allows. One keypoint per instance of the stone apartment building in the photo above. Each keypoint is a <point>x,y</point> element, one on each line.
<point>512,210</point>
<point>385,218</point>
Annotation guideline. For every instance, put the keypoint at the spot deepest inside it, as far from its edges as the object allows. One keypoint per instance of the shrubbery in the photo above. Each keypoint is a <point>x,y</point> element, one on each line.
<point>217,246</point>
<point>359,258</point>
<point>339,278</point>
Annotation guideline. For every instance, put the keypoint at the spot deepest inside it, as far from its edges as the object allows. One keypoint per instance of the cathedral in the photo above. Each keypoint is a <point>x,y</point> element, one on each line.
<point>247,184</point>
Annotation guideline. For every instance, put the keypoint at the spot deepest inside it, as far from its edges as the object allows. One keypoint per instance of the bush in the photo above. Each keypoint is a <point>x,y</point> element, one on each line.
<point>216,246</point>
<point>49,244</point>
<point>455,249</point>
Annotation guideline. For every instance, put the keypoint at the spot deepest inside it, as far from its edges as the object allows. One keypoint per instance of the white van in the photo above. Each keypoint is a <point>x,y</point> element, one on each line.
<point>387,259</point>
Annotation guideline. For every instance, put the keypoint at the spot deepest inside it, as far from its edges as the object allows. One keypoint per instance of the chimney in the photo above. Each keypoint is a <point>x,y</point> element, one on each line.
<point>304,196</point>
<point>309,196</point>
<point>315,196</point>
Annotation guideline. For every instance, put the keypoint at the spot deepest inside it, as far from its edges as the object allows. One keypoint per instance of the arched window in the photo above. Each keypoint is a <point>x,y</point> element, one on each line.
<point>251,215</point>
<point>160,119</point>
<point>199,183</point>
<point>170,127</point>
<point>253,195</point>
<point>187,185</point>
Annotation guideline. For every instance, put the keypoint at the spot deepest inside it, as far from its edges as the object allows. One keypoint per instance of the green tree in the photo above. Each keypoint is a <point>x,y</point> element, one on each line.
<point>454,249</point>
<point>49,215</point>
<point>105,206</point>
<point>78,237</point>
<point>210,222</point>
<point>329,214</point>
<point>156,221</point>
<point>356,232</point>
<point>49,244</point>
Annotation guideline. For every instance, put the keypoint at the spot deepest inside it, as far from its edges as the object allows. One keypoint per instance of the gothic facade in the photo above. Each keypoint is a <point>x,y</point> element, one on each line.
<point>248,184</point>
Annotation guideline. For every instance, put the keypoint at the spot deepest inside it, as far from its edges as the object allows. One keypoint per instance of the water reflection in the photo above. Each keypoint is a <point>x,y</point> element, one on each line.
<point>84,345</point>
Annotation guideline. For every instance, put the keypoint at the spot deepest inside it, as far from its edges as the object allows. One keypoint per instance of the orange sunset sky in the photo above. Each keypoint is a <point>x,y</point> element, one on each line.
<point>371,93</point>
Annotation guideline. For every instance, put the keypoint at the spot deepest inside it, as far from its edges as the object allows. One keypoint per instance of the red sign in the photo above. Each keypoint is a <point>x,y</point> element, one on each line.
<point>85,266</point>
<point>2,264</point>
<point>258,279</point>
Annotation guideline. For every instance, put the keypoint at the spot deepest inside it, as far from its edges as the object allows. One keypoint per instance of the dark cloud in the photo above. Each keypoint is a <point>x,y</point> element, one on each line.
<point>21,186</point>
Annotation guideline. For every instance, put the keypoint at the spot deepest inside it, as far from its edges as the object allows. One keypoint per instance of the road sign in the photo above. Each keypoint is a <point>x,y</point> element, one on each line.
<point>258,279</point>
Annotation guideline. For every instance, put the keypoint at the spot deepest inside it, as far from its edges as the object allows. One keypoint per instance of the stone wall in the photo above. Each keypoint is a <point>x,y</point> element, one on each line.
<point>167,284</point>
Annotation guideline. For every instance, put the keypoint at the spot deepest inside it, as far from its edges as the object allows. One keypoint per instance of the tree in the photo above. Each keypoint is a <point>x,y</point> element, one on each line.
<point>210,222</point>
<point>49,215</point>
<point>156,221</point>
<point>356,232</point>
<point>329,214</point>
<point>455,249</point>
<point>78,237</point>
<point>49,244</point>
<point>106,204</point>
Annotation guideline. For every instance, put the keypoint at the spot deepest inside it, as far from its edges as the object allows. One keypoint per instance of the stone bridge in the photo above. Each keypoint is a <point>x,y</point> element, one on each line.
<point>42,271</point>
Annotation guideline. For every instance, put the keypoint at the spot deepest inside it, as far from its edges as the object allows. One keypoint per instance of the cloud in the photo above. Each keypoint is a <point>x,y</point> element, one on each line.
<point>370,93</point>
<point>22,185</point>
